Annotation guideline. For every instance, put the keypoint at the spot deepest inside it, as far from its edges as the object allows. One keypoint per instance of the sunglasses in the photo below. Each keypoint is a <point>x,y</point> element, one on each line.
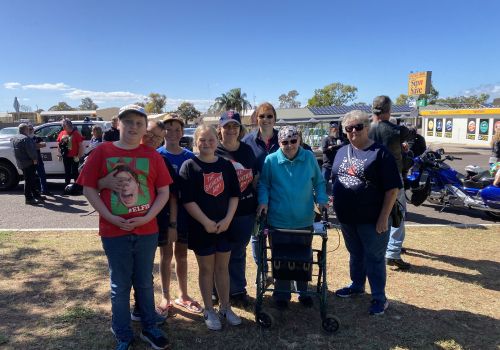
<point>153,135</point>
<point>269,116</point>
<point>357,127</point>
<point>292,142</point>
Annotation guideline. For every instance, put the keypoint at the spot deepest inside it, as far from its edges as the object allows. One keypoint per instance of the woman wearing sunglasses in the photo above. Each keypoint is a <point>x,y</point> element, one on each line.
<point>263,141</point>
<point>365,189</point>
<point>290,183</point>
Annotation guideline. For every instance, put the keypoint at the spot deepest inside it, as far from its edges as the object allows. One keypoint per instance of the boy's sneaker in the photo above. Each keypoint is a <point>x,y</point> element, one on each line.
<point>230,317</point>
<point>155,338</point>
<point>212,320</point>
<point>124,345</point>
<point>378,307</point>
<point>135,316</point>
<point>348,292</point>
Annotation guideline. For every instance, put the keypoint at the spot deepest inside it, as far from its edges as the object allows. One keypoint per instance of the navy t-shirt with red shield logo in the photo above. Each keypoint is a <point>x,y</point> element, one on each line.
<point>245,163</point>
<point>210,185</point>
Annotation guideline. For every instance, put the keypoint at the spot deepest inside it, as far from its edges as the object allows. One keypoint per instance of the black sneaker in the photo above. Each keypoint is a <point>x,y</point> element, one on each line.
<point>399,263</point>
<point>240,300</point>
<point>31,201</point>
<point>306,301</point>
<point>348,292</point>
<point>155,338</point>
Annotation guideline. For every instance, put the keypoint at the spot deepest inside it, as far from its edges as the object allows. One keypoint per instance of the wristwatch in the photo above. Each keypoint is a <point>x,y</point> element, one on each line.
<point>172,225</point>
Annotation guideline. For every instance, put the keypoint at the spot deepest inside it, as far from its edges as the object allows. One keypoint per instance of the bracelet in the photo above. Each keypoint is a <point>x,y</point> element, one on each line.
<point>172,225</point>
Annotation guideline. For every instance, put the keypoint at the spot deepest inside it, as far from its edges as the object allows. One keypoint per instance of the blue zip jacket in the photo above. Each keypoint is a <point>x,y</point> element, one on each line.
<point>259,147</point>
<point>290,188</point>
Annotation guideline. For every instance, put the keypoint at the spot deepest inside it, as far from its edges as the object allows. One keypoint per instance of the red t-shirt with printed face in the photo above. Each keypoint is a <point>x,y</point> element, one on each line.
<point>142,170</point>
<point>75,139</point>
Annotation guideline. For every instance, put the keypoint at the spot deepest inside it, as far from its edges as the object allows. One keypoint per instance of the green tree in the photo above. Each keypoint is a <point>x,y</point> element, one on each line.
<point>402,99</point>
<point>88,105</point>
<point>188,112</point>
<point>335,94</point>
<point>234,99</point>
<point>288,100</point>
<point>431,97</point>
<point>155,103</point>
<point>61,106</point>
<point>473,101</point>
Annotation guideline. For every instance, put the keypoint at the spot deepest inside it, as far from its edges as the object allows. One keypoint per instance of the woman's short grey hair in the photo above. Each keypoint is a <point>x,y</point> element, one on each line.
<point>357,116</point>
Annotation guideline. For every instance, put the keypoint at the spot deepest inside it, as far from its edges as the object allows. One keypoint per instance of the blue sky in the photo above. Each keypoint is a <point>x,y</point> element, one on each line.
<point>117,52</point>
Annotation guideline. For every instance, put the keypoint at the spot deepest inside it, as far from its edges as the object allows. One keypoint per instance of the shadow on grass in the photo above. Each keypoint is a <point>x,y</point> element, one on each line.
<point>295,328</point>
<point>488,270</point>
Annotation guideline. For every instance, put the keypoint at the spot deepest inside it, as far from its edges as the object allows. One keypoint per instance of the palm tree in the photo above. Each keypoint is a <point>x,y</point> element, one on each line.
<point>233,99</point>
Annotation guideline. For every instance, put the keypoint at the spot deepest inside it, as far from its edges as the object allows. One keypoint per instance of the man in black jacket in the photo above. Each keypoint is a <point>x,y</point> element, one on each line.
<point>112,134</point>
<point>391,136</point>
<point>330,145</point>
<point>26,159</point>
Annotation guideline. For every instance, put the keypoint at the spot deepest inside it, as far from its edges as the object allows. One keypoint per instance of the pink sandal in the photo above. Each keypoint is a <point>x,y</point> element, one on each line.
<point>189,305</point>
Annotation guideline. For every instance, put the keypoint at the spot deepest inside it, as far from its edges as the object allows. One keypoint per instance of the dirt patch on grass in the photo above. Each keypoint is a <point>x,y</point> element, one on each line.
<point>54,294</point>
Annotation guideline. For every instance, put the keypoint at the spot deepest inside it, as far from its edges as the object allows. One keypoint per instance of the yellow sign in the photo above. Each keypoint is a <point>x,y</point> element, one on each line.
<point>419,83</point>
<point>461,111</point>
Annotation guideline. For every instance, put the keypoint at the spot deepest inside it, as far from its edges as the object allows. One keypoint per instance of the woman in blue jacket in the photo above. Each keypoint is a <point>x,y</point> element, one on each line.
<point>289,184</point>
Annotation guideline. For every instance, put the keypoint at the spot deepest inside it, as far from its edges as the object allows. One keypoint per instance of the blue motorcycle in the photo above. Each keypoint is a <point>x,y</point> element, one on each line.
<point>431,179</point>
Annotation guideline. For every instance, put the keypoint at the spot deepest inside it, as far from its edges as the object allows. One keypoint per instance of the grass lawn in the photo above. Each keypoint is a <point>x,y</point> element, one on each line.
<point>54,294</point>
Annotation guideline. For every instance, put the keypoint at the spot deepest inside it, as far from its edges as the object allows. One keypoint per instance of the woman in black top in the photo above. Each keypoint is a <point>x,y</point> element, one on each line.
<point>230,131</point>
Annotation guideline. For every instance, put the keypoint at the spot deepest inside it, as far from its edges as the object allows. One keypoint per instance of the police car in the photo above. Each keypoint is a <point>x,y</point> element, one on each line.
<point>10,175</point>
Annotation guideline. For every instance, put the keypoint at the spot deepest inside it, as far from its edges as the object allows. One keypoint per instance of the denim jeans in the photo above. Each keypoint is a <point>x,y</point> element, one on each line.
<point>40,169</point>
<point>327,173</point>
<point>366,257</point>
<point>241,230</point>
<point>397,233</point>
<point>130,261</point>
<point>285,285</point>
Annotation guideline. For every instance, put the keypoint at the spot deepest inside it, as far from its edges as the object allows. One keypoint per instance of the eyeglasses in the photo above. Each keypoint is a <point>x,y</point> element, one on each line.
<point>292,142</point>
<point>263,116</point>
<point>131,123</point>
<point>357,127</point>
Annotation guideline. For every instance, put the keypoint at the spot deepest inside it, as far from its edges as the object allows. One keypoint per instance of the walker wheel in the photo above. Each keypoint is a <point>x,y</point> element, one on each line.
<point>331,324</point>
<point>264,319</point>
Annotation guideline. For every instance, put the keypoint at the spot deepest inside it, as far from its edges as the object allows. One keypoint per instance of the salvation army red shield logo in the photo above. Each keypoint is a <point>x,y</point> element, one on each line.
<point>213,183</point>
<point>245,176</point>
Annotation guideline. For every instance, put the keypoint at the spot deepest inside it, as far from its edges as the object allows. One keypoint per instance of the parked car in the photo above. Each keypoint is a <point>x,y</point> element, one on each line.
<point>8,132</point>
<point>10,175</point>
<point>187,140</point>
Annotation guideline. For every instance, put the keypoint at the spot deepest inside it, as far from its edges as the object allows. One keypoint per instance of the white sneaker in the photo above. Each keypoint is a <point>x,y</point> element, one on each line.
<point>230,317</point>
<point>212,320</point>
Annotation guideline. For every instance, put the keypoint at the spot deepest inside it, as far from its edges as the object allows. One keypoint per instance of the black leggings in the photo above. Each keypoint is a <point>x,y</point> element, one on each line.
<point>70,169</point>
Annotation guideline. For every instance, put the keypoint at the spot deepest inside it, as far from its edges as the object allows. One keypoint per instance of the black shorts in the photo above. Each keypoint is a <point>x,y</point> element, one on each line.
<point>182,237</point>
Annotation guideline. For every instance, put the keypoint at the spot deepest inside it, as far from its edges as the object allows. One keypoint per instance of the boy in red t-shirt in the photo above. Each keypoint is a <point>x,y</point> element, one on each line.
<point>127,221</point>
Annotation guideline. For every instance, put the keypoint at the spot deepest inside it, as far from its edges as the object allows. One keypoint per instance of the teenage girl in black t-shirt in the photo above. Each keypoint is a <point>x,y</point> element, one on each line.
<point>210,192</point>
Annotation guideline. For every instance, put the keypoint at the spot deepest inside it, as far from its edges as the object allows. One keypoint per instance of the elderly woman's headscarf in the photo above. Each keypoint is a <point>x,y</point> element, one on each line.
<point>287,132</point>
